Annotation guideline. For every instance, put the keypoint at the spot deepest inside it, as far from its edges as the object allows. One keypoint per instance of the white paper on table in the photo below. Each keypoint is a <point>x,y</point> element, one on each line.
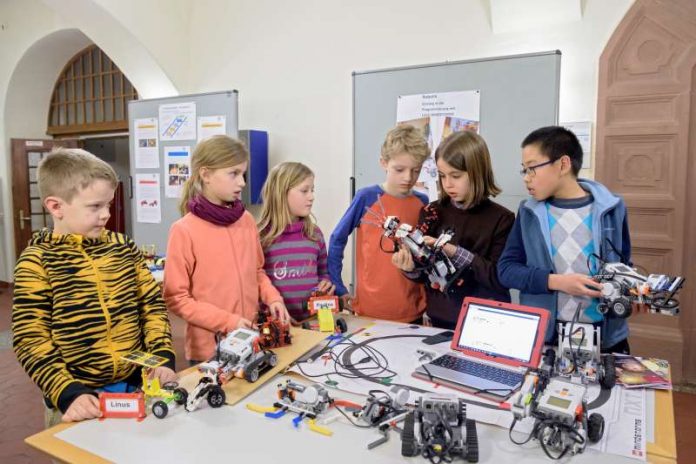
<point>146,143</point>
<point>147,198</point>
<point>177,169</point>
<point>403,360</point>
<point>211,125</point>
<point>177,121</point>
<point>625,423</point>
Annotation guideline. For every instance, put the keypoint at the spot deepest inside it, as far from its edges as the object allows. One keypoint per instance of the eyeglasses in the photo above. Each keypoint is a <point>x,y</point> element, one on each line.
<point>531,170</point>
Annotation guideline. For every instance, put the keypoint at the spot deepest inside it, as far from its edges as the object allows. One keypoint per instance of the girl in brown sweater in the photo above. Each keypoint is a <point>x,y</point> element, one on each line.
<point>480,227</point>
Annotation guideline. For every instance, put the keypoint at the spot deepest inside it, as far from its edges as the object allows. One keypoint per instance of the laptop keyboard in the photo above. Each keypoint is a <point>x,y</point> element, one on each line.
<point>483,371</point>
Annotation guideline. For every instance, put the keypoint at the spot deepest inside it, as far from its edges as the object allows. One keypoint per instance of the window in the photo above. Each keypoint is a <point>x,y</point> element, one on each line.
<point>90,95</point>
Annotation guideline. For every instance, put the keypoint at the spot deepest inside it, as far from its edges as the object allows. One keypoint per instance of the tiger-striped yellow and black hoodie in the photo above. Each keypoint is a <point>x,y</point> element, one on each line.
<point>79,304</point>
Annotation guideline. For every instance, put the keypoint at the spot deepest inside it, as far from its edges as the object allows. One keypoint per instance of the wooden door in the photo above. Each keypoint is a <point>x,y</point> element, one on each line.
<point>646,115</point>
<point>28,213</point>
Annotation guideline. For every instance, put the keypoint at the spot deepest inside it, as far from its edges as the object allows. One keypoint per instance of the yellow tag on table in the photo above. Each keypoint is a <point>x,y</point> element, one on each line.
<point>326,320</point>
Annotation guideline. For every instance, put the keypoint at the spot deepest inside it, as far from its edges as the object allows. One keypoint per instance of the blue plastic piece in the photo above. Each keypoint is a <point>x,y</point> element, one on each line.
<point>296,421</point>
<point>275,415</point>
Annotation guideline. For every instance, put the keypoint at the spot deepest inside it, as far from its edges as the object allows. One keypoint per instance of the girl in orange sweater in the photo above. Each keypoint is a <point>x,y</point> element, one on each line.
<point>214,277</point>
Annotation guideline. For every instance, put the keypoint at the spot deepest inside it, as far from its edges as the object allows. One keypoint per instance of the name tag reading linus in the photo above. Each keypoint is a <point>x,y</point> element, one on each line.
<point>122,405</point>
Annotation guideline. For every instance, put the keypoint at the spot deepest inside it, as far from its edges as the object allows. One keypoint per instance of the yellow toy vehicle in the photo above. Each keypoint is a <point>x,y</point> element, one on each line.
<point>158,397</point>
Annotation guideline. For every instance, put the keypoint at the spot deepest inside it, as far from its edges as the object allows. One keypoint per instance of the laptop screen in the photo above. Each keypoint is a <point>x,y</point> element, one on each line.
<point>499,332</point>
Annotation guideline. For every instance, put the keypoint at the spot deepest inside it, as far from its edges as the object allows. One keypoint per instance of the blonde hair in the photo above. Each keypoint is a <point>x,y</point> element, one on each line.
<point>216,152</point>
<point>275,213</point>
<point>407,139</point>
<point>467,151</point>
<point>66,171</point>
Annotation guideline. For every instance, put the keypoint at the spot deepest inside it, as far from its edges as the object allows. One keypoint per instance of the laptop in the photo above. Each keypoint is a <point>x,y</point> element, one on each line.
<point>493,346</point>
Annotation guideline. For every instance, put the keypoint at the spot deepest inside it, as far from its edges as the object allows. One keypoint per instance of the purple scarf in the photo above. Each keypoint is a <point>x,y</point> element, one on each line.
<point>217,214</point>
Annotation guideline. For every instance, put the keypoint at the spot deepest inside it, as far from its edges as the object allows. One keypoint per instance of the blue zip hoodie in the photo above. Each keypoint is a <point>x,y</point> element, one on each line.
<point>526,261</point>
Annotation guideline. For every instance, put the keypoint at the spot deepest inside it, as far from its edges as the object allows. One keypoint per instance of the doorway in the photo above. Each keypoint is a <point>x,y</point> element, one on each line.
<point>646,152</point>
<point>114,150</point>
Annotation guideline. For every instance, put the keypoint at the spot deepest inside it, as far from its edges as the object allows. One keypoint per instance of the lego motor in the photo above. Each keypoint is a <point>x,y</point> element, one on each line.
<point>444,432</point>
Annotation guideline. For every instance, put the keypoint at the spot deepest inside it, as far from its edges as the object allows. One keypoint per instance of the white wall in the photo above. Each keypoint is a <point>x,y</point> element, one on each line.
<point>292,61</point>
<point>36,40</point>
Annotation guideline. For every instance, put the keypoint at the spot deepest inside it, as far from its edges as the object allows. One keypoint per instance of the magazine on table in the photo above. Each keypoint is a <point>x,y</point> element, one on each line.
<point>636,372</point>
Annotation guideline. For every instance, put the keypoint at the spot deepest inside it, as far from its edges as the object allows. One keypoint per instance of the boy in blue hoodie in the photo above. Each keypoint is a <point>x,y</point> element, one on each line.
<point>547,255</point>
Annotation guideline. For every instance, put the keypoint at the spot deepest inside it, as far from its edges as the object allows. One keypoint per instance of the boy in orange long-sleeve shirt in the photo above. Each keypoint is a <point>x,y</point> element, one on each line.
<point>382,291</point>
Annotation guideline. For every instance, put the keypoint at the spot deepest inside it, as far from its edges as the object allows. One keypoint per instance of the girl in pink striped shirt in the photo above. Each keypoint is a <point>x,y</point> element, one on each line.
<point>293,245</point>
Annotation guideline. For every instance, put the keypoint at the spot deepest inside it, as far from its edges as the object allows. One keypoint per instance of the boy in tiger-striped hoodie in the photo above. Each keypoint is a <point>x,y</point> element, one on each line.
<point>83,296</point>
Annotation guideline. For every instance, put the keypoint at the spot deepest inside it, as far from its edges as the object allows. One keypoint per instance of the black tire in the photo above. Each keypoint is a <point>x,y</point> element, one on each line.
<point>595,427</point>
<point>608,377</point>
<point>603,308</point>
<point>216,396</point>
<point>306,325</point>
<point>252,375</point>
<point>180,396</point>
<point>341,325</point>
<point>621,308</point>
<point>472,448</point>
<point>408,437</point>
<point>160,409</point>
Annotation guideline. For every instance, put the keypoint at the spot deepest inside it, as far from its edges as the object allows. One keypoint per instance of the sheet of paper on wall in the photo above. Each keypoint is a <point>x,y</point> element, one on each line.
<point>583,131</point>
<point>438,115</point>
<point>146,144</point>
<point>211,125</point>
<point>147,197</point>
<point>177,169</point>
<point>177,121</point>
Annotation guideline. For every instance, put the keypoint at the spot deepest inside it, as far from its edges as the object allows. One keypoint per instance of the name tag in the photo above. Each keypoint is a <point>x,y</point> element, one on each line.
<point>122,405</point>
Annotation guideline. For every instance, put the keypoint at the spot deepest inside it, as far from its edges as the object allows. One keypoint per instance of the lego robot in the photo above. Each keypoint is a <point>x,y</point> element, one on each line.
<point>559,409</point>
<point>209,389</point>
<point>307,401</point>
<point>273,333</point>
<point>159,397</point>
<point>240,355</point>
<point>580,358</point>
<point>383,410</point>
<point>623,288</point>
<point>432,260</point>
<point>444,432</point>
<point>324,307</point>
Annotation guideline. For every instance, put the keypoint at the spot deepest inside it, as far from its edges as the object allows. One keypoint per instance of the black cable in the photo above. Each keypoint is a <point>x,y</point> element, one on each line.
<point>527,440</point>
<point>491,390</point>
<point>602,262</point>
<point>546,423</point>
<point>381,247</point>
<point>355,371</point>
<point>618,253</point>
<point>570,338</point>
